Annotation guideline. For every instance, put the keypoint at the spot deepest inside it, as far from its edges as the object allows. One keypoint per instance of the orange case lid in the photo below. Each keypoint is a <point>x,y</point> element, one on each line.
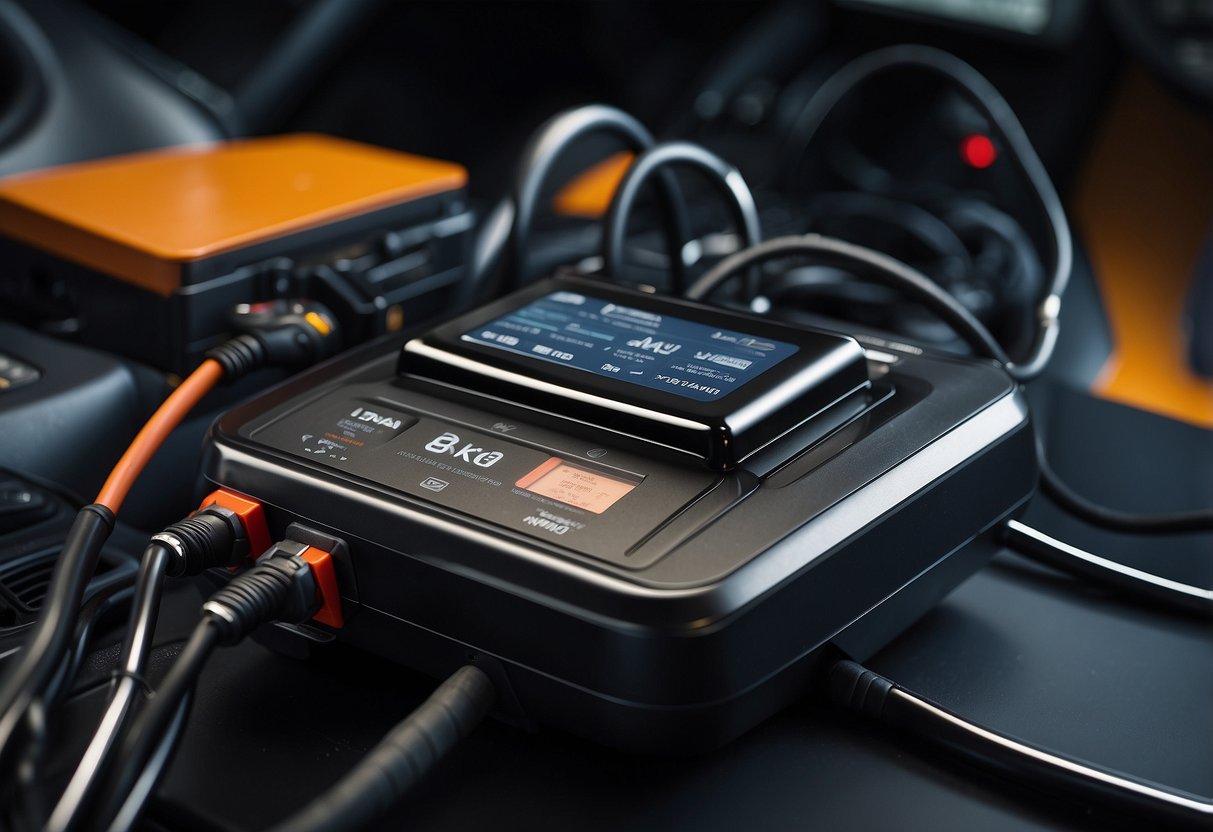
<point>139,217</point>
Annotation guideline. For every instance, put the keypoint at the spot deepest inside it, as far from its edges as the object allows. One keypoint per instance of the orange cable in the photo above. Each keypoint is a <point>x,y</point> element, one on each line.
<point>170,414</point>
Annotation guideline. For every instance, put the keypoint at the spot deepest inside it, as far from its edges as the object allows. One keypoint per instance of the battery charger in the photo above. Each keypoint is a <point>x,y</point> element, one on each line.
<point>648,519</point>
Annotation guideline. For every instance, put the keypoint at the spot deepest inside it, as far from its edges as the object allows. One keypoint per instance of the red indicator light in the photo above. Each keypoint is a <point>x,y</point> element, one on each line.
<point>978,151</point>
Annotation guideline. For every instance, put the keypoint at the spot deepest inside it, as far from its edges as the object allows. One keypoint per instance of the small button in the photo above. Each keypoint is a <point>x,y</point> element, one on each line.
<point>15,373</point>
<point>21,507</point>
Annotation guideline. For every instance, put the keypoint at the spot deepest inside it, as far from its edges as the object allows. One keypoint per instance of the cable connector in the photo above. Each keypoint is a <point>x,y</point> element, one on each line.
<point>213,536</point>
<point>277,333</point>
<point>854,686</point>
<point>238,356</point>
<point>279,587</point>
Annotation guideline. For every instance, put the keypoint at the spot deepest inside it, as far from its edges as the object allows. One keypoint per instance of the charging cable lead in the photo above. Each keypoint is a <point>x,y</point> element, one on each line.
<point>402,758</point>
<point>215,536</point>
<point>873,265</point>
<point>1177,522</point>
<point>502,240</point>
<point>295,339</point>
<point>861,690</point>
<point>725,178</point>
<point>986,99</point>
<point>1050,551</point>
<point>279,587</point>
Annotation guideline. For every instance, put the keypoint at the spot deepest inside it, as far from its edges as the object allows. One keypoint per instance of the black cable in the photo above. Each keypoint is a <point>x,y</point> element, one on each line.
<point>1014,283</point>
<point>997,282</point>
<point>47,646</point>
<point>1042,548</point>
<point>505,233</point>
<point>889,272</point>
<point>213,536</point>
<point>26,813</point>
<point>277,587</point>
<point>153,772</point>
<point>869,264</point>
<point>908,217</point>
<point>103,594</point>
<point>489,248</point>
<point>548,145</point>
<point>299,57</point>
<point>126,690</point>
<point>401,759</point>
<point>1197,520</point>
<point>859,689</point>
<point>287,339</point>
<point>144,736</point>
<point>724,178</point>
<point>986,99</point>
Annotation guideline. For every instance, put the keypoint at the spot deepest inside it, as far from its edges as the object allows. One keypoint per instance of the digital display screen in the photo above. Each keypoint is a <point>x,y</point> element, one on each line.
<point>661,352</point>
<point>573,485</point>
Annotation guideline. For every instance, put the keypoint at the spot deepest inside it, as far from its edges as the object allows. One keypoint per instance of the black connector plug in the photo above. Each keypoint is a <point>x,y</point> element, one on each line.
<point>213,536</point>
<point>277,333</point>
<point>852,685</point>
<point>279,587</point>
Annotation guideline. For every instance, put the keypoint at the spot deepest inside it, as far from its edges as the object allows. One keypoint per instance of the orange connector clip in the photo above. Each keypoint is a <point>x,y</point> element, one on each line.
<point>251,515</point>
<point>326,586</point>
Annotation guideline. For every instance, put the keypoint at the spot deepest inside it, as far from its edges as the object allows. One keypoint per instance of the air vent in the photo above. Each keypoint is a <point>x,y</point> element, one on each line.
<point>27,580</point>
<point>12,612</point>
<point>23,584</point>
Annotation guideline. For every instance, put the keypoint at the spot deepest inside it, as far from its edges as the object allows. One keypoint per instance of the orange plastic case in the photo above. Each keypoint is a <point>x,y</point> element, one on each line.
<point>174,237</point>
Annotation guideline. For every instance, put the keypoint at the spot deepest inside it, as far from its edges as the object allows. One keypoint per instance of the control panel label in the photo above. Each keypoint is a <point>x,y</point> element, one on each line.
<point>645,348</point>
<point>546,486</point>
<point>340,432</point>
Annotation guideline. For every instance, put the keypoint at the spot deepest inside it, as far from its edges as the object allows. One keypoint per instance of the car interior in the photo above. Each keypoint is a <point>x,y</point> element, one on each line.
<point>743,414</point>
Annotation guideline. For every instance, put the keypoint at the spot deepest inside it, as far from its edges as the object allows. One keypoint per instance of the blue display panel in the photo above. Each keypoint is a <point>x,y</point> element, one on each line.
<point>635,345</point>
